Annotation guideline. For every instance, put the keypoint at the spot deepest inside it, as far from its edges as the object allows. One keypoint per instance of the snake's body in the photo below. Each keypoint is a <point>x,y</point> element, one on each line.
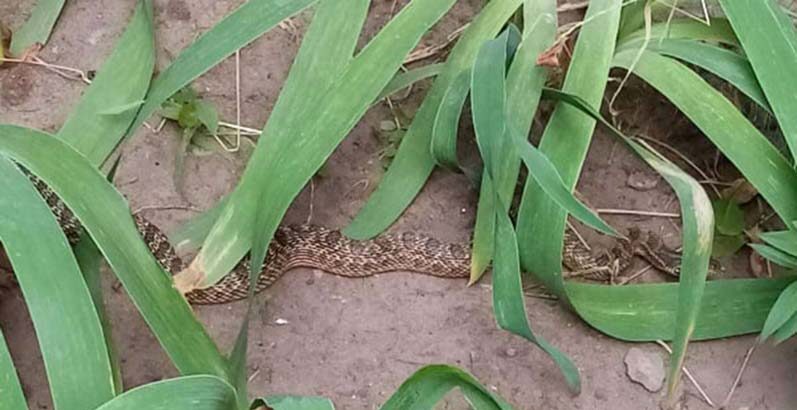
<point>330,251</point>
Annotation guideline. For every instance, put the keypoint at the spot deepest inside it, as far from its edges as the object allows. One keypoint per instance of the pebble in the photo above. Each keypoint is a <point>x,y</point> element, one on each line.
<point>645,368</point>
<point>510,352</point>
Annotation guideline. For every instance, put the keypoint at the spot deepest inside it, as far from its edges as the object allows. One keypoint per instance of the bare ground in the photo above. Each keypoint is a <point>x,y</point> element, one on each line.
<point>354,341</point>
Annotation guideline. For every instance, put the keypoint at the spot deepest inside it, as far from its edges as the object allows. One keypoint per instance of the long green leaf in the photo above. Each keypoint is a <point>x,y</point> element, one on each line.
<point>525,80</point>
<point>67,326</point>
<point>783,240</point>
<point>326,43</point>
<point>446,122</point>
<point>685,28</point>
<point>38,27</point>
<point>245,24</point>
<point>189,392</point>
<point>106,217</point>
<point>295,403</point>
<point>698,236</point>
<point>769,39</point>
<point>487,100</point>
<point>11,395</point>
<point>565,142</point>
<point>776,255</point>
<point>406,79</point>
<point>427,386</point>
<point>722,62</point>
<point>123,79</point>
<point>89,259</point>
<point>414,162</point>
<point>755,157</point>
<point>783,310</point>
<point>698,231</point>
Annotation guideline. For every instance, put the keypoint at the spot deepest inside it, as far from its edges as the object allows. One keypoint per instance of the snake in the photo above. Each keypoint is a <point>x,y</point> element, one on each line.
<point>329,250</point>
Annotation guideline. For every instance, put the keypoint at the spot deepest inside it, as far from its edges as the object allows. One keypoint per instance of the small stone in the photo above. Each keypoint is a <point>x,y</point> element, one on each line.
<point>645,368</point>
<point>281,322</point>
<point>511,352</point>
<point>642,181</point>
<point>600,395</point>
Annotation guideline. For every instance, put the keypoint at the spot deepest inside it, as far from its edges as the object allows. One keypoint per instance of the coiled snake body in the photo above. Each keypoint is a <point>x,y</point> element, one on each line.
<point>328,250</point>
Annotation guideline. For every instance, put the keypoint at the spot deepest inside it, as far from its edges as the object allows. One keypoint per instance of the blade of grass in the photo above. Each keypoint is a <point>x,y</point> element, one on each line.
<point>786,331</point>
<point>89,259</point>
<point>244,25</point>
<point>786,241</point>
<point>328,45</point>
<point>783,310</point>
<point>698,235</point>
<point>408,78</point>
<point>446,122</point>
<point>414,163</point>
<point>67,326</point>
<point>724,63</point>
<point>106,217</point>
<point>698,231</point>
<point>295,403</point>
<point>123,78</point>
<point>487,101</point>
<point>769,40</point>
<point>525,80</point>
<point>189,392</point>
<point>11,396</point>
<point>646,312</point>
<point>428,385</point>
<point>565,142</point>
<point>775,255</point>
<point>755,157</point>
<point>719,31</point>
<point>38,27</point>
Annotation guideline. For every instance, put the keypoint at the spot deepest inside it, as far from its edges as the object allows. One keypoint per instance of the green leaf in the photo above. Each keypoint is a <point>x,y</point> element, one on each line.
<point>189,393</point>
<point>785,241</point>
<point>106,217</point>
<point>11,396</point>
<point>89,259</point>
<point>775,255</point>
<point>487,101</point>
<point>414,162</point>
<point>296,403</point>
<point>769,39</point>
<point>67,326</point>
<point>686,28</point>
<point>698,230</point>
<point>121,83</point>
<point>724,63</point>
<point>525,80</point>
<point>245,24</point>
<point>565,143</point>
<point>783,310</point>
<point>121,109</point>
<point>786,331</point>
<point>446,122</point>
<point>38,27</point>
<point>406,79</point>
<point>427,386</point>
<point>729,217</point>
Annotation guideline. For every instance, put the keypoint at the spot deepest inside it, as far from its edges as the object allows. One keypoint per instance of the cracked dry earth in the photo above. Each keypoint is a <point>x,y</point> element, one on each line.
<point>354,341</point>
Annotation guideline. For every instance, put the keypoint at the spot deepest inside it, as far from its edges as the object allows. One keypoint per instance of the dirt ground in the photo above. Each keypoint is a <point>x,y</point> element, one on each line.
<point>354,341</point>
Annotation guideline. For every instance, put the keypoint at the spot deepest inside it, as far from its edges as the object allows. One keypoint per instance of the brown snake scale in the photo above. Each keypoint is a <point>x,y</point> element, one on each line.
<point>328,250</point>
